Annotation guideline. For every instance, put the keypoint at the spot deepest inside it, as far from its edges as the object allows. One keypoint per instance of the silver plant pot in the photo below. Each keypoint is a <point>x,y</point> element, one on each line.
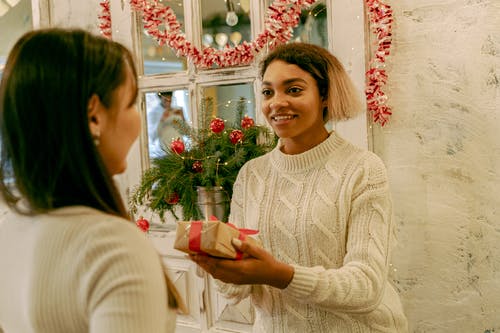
<point>213,201</point>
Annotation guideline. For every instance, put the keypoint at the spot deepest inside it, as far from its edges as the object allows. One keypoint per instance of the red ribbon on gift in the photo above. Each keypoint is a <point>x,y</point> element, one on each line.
<point>195,236</point>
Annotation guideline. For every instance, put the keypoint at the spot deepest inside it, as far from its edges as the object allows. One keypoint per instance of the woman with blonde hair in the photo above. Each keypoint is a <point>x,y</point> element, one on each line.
<point>322,206</point>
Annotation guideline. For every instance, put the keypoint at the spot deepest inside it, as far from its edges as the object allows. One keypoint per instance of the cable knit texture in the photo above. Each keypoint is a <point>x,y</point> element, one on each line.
<point>80,270</point>
<point>327,212</point>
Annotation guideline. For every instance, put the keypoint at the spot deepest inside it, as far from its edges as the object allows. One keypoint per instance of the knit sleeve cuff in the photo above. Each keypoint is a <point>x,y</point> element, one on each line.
<point>304,281</point>
<point>233,292</point>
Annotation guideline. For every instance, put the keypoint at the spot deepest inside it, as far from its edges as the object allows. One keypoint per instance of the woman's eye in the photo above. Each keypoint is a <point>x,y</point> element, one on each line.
<point>266,92</point>
<point>294,90</point>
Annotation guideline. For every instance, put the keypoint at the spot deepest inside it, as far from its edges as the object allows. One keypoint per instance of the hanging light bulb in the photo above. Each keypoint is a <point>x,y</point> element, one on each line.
<point>231,17</point>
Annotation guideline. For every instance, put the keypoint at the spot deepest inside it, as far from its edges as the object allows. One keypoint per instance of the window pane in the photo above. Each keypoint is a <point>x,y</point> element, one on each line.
<point>15,20</point>
<point>163,110</point>
<point>312,26</point>
<point>228,100</point>
<point>162,59</point>
<point>226,23</point>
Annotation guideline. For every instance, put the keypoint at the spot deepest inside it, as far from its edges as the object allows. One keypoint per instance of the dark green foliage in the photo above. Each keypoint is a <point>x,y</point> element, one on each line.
<point>220,158</point>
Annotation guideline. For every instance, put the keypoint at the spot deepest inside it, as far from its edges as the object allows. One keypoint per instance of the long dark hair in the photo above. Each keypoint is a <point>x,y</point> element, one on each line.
<point>48,157</point>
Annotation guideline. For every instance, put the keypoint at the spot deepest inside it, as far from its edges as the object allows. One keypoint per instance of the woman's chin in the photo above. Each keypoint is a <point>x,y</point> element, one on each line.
<point>118,170</point>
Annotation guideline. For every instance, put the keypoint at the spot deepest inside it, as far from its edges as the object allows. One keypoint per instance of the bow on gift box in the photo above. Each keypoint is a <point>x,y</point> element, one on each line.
<point>195,236</point>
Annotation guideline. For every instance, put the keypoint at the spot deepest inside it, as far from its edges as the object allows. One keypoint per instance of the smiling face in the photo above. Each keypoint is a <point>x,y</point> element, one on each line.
<point>293,106</point>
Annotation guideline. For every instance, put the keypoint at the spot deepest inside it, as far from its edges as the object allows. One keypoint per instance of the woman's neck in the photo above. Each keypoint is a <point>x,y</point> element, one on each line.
<point>294,146</point>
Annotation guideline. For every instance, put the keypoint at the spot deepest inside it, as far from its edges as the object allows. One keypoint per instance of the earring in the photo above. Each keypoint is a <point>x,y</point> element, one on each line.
<point>96,138</point>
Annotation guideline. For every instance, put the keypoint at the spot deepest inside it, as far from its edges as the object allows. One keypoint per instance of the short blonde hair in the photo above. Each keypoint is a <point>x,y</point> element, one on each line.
<point>334,83</point>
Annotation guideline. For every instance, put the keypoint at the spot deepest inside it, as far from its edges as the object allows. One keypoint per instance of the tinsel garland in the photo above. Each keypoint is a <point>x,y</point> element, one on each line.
<point>281,17</point>
<point>380,16</point>
<point>105,19</point>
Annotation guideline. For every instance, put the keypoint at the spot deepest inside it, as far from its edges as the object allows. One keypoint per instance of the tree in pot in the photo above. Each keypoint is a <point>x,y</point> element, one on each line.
<point>206,160</point>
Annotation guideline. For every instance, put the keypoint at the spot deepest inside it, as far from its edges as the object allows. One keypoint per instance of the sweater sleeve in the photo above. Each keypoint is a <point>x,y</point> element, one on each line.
<point>124,289</point>
<point>357,286</point>
<point>232,291</point>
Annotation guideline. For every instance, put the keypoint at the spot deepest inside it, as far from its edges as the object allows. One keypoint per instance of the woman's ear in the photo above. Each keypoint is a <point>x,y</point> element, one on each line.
<point>324,102</point>
<point>94,115</point>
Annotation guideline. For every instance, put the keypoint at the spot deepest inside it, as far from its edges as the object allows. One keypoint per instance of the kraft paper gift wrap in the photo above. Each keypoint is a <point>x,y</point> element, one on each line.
<point>211,237</point>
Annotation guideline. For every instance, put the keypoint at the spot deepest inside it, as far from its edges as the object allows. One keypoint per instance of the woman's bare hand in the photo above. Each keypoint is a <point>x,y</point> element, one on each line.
<point>258,267</point>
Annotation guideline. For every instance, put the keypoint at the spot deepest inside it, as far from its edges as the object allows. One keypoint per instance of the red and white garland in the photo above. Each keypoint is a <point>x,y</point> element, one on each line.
<point>281,17</point>
<point>380,15</point>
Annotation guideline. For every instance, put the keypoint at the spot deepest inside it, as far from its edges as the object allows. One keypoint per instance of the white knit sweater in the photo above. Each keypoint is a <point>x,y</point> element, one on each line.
<point>327,212</point>
<point>82,271</point>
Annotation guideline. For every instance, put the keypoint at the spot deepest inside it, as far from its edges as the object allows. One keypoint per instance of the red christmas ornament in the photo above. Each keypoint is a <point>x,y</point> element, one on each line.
<point>173,199</point>
<point>247,122</point>
<point>197,167</point>
<point>177,146</point>
<point>236,136</point>
<point>143,224</point>
<point>217,125</point>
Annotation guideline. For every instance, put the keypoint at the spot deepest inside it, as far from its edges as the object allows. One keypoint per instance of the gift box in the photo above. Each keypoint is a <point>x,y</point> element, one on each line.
<point>211,237</point>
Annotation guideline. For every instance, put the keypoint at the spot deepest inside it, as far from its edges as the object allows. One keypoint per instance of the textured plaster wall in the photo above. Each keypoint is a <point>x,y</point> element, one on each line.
<point>442,150</point>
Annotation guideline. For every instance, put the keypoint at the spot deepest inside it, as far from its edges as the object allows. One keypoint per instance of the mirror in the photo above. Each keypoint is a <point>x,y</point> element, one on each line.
<point>225,23</point>
<point>163,110</point>
<point>226,99</point>
<point>15,20</point>
<point>313,25</point>
<point>162,59</point>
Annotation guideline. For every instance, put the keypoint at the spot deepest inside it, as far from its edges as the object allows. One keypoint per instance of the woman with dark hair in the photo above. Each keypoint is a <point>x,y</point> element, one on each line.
<point>71,259</point>
<point>322,206</point>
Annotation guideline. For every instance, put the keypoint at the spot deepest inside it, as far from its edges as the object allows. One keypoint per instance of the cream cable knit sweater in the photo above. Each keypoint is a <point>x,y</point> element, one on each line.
<point>82,271</point>
<point>327,212</point>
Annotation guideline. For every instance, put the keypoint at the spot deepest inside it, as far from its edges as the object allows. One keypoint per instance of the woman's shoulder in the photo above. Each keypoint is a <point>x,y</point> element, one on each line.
<point>90,225</point>
<point>352,161</point>
<point>95,237</point>
<point>358,154</point>
<point>257,163</point>
<point>82,214</point>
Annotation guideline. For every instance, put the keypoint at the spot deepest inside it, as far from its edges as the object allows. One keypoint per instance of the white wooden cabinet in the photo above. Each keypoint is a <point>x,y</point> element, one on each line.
<point>208,311</point>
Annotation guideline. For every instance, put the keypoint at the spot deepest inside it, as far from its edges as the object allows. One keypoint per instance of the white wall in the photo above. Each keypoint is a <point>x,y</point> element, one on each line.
<point>442,148</point>
<point>75,13</point>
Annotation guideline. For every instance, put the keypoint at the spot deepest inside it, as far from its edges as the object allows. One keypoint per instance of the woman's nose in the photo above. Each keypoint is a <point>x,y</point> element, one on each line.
<point>277,103</point>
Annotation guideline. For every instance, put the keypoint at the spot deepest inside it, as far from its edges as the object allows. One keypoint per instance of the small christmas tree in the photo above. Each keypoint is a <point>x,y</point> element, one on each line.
<point>211,157</point>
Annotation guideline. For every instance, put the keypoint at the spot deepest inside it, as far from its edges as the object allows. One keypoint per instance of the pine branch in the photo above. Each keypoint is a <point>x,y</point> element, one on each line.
<point>209,160</point>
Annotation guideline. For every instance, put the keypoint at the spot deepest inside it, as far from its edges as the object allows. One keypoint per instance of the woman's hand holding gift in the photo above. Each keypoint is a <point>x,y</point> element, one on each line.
<point>257,267</point>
